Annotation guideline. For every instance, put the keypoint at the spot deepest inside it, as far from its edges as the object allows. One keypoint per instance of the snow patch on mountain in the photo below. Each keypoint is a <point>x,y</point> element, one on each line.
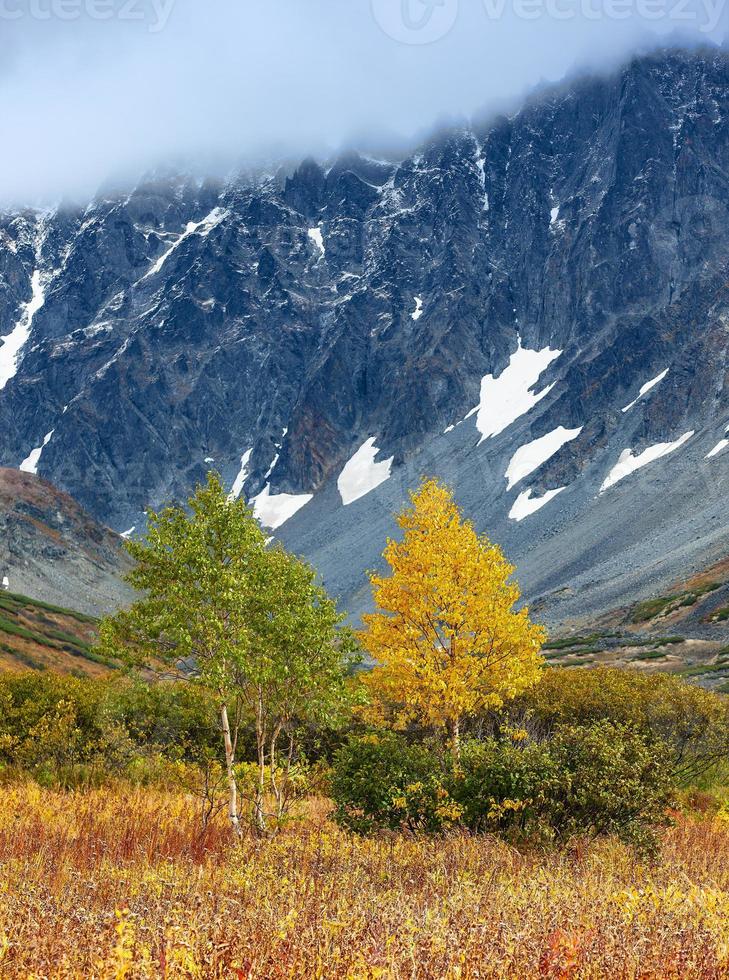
<point>531,456</point>
<point>30,463</point>
<point>418,311</point>
<point>722,444</point>
<point>525,504</point>
<point>243,472</point>
<point>203,228</point>
<point>646,388</point>
<point>508,397</point>
<point>361,474</point>
<point>273,510</point>
<point>481,169</point>
<point>628,463</point>
<point>274,461</point>
<point>112,360</point>
<point>315,234</point>
<point>12,344</point>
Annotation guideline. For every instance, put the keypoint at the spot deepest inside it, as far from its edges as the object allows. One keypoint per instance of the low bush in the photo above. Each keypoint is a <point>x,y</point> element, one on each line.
<point>508,786</point>
<point>14,601</point>
<point>67,731</point>
<point>616,781</point>
<point>650,655</point>
<point>380,781</point>
<point>574,641</point>
<point>651,608</point>
<point>593,779</point>
<point>691,722</point>
<point>720,615</point>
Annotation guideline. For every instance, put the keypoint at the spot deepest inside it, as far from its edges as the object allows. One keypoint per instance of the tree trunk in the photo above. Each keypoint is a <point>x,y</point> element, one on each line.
<point>277,790</point>
<point>230,771</point>
<point>455,727</point>
<point>455,723</point>
<point>287,771</point>
<point>259,815</point>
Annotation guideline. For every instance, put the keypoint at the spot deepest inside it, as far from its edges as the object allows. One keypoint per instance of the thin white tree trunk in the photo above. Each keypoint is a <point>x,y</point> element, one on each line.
<point>455,727</point>
<point>278,791</point>
<point>259,814</point>
<point>230,771</point>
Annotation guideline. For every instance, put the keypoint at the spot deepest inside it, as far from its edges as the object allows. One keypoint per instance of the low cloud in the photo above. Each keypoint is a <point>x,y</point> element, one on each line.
<point>93,89</point>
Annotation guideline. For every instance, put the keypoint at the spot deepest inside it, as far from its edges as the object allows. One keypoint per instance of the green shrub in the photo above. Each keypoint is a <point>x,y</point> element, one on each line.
<point>698,669</point>
<point>650,608</point>
<point>14,629</point>
<point>507,786</point>
<point>615,781</point>
<point>52,638</point>
<point>692,723</point>
<point>178,719</point>
<point>16,600</point>
<point>599,778</point>
<point>71,731</point>
<point>380,781</point>
<point>575,641</point>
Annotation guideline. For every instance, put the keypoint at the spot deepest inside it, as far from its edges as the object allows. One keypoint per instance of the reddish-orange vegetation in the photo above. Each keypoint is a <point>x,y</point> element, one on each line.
<point>121,883</point>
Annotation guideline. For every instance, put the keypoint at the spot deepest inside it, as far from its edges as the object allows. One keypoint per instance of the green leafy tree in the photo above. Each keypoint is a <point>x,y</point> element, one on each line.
<point>296,669</point>
<point>247,622</point>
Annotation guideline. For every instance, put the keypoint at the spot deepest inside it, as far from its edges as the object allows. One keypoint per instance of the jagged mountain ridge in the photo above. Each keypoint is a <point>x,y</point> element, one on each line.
<point>283,321</point>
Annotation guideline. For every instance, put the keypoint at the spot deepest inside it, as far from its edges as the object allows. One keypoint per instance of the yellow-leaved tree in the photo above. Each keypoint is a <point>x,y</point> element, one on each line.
<point>446,638</point>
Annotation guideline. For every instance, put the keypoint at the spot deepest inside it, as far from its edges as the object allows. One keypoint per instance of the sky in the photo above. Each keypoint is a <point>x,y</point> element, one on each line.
<point>99,89</point>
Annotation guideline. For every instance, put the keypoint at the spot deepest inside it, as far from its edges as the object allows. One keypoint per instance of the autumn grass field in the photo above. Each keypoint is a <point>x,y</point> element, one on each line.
<point>120,883</point>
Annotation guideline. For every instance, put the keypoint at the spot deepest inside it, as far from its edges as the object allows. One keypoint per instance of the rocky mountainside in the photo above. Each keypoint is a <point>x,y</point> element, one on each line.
<point>54,551</point>
<point>37,635</point>
<point>535,309</point>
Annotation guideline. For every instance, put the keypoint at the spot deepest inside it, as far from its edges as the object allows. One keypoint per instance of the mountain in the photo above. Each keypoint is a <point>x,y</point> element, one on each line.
<point>54,551</point>
<point>534,308</point>
<point>41,636</point>
<point>682,631</point>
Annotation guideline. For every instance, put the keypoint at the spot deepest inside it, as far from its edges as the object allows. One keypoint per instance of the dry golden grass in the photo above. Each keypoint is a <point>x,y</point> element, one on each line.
<point>121,884</point>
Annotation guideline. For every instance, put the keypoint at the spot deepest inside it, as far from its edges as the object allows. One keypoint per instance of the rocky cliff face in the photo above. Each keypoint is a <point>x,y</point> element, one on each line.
<point>318,331</point>
<point>52,550</point>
